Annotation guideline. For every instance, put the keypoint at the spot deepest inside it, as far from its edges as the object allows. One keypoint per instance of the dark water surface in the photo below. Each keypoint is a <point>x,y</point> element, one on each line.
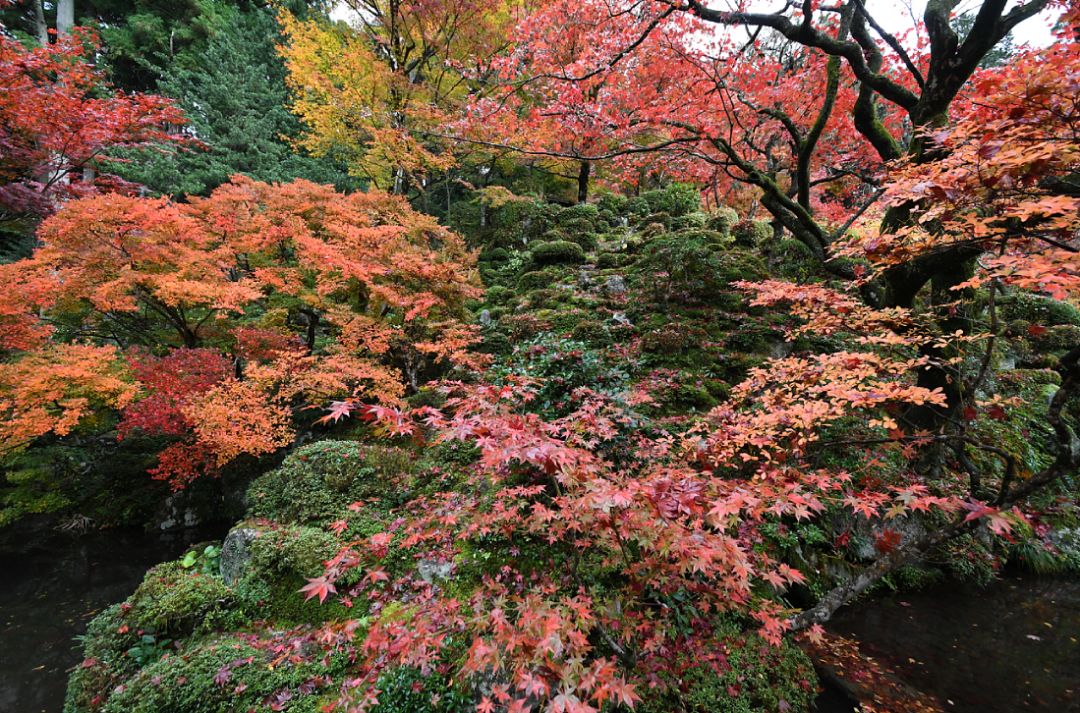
<point>1011,647</point>
<point>51,586</point>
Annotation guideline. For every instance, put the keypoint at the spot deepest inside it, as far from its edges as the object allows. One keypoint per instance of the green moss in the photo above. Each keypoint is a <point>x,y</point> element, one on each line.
<point>224,675</point>
<point>318,480</point>
<point>106,662</point>
<point>282,560</point>
<point>407,690</point>
<point>174,601</point>
<point>751,676</point>
<point>1036,309</point>
<point>558,252</point>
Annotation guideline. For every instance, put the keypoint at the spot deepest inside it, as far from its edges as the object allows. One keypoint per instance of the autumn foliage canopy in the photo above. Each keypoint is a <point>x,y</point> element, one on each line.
<point>592,550</point>
<point>226,316</point>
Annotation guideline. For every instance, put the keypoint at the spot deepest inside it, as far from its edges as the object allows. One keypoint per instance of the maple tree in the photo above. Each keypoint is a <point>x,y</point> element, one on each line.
<point>679,519</point>
<point>656,84</point>
<point>59,118</point>
<point>254,302</point>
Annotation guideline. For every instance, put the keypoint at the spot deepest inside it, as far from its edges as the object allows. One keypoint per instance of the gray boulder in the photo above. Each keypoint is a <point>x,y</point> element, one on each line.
<point>236,553</point>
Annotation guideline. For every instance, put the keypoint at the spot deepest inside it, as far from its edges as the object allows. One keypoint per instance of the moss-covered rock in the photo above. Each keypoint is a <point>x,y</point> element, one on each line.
<point>174,601</point>
<point>318,480</point>
<point>225,674</point>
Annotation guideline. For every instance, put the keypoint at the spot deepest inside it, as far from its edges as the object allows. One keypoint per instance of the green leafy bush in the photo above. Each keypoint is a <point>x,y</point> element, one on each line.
<point>498,294</point>
<point>722,220</point>
<point>751,232</point>
<point>679,268</point>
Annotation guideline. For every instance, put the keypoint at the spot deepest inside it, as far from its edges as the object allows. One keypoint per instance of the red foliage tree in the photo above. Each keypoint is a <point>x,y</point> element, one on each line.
<point>59,118</point>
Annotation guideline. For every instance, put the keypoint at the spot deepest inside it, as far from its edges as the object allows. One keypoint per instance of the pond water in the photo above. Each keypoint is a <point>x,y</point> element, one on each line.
<point>51,586</point>
<point>1014,646</point>
<point>1010,647</point>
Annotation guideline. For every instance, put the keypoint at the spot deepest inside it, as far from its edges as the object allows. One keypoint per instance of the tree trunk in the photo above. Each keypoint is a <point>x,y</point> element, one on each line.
<point>65,16</point>
<point>41,28</point>
<point>583,181</point>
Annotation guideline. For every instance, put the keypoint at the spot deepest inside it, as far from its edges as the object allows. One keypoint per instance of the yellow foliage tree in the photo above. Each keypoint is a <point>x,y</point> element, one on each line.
<point>376,91</point>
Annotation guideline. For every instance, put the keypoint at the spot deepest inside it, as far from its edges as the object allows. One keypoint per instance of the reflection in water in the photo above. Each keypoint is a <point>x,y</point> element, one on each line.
<point>1013,646</point>
<point>51,588</point>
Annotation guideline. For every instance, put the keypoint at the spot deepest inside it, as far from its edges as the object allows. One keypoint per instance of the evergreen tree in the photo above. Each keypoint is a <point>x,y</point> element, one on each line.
<point>235,96</point>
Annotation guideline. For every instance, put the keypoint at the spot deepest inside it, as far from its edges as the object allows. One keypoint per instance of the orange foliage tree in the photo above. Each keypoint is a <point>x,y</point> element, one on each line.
<point>234,311</point>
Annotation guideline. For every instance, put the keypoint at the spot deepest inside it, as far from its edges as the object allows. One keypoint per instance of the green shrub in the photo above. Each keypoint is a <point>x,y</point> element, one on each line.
<point>606,261</point>
<point>558,252</point>
<point>496,255</point>
<point>637,207</point>
<point>614,203</point>
<point>722,220</point>
<point>750,233</point>
<point>318,480</point>
<point>706,235</point>
<point>586,212</point>
<point>675,200</point>
<point>680,269</point>
<point>498,294</point>
<point>591,332</point>
<point>735,265</point>
<point>688,221</point>
<point>656,227</point>
<point>496,343</point>
<point>536,280</point>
